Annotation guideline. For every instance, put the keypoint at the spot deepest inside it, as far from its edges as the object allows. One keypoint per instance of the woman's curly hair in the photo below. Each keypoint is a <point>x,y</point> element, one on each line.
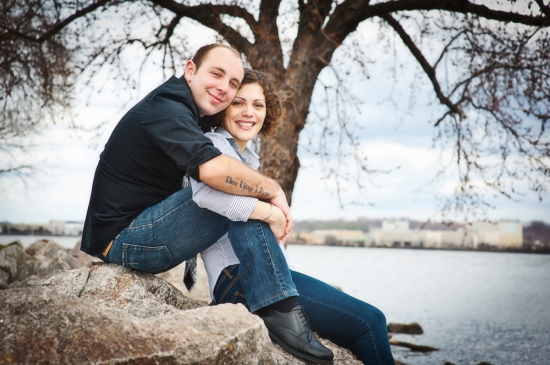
<point>274,99</point>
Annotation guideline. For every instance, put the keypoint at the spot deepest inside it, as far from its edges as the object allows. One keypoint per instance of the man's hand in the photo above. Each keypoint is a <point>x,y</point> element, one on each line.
<point>280,202</point>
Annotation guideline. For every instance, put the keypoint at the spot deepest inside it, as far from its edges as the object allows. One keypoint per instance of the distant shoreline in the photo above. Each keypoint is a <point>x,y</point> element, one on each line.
<point>542,250</point>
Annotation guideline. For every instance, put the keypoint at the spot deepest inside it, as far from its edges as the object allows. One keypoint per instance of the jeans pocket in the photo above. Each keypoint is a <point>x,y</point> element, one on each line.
<point>143,258</point>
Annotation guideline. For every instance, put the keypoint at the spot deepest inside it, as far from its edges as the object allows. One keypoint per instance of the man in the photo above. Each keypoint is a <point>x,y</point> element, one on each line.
<point>140,217</point>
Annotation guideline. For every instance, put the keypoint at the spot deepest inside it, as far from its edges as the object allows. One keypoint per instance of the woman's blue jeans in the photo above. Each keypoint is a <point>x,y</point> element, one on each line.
<point>176,229</point>
<point>335,315</point>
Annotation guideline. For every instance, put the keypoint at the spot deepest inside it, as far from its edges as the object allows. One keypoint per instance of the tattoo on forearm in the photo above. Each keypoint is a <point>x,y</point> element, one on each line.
<point>257,190</point>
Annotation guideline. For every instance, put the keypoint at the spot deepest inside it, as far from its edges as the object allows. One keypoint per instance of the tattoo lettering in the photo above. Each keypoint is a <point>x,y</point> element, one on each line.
<point>259,190</point>
<point>229,180</point>
<point>245,186</point>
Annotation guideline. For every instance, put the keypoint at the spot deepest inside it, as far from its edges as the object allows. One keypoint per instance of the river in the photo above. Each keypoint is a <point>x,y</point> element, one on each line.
<point>473,306</point>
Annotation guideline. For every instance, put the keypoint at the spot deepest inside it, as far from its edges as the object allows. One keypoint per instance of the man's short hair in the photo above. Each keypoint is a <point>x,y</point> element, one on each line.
<point>200,55</point>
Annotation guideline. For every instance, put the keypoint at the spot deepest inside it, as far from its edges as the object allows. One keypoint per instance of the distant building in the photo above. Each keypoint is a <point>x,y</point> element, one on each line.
<point>500,235</point>
<point>342,237</point>
<point>65,228</point>
<point>397,233</point>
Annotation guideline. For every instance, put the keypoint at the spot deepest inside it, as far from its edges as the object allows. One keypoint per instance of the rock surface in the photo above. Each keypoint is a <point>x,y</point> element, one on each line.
<point>42,326</point>
<point>409,329</point>
<point>40,260</point>
<point>57,311</point>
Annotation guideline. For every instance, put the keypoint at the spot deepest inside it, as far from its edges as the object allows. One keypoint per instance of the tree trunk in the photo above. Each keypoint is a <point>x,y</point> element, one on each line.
<point>312,51</point>
<point>278,154</point>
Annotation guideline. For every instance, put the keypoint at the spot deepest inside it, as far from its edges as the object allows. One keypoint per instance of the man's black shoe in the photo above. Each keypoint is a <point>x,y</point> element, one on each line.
<point>291,331</point>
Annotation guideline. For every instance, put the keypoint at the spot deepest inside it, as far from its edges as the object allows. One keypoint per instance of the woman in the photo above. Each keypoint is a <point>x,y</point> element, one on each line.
<point>346,321</point>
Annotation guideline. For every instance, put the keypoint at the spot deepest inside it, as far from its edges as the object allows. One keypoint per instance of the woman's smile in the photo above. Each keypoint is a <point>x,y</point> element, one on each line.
<point>245,124</point>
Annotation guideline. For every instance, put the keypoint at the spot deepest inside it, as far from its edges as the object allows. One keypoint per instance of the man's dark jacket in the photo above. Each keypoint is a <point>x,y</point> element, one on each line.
<point>150,150</point>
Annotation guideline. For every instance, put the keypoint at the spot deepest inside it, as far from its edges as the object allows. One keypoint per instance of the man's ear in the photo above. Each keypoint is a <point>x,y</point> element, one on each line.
<point>190,69</point>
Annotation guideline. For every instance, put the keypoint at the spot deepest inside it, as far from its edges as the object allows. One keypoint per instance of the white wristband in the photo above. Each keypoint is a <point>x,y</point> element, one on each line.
<point>269,215</point>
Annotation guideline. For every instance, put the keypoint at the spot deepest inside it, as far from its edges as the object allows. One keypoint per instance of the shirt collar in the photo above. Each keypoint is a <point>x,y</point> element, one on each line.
<point>224,133</point>
<point>188,97</point>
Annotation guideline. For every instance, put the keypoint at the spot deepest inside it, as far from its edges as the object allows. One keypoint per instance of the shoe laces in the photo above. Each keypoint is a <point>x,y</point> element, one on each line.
<point>304,319</point>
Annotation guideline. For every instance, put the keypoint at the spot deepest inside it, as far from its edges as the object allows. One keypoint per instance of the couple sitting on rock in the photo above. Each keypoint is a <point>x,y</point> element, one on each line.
<point>139,215</point>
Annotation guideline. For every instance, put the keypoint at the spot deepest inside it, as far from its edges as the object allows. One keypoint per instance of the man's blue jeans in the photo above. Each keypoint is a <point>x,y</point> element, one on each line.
<point>174,230</point>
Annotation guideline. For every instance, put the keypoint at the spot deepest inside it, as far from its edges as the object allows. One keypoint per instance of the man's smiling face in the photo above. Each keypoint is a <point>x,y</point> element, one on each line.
<point>215,83</point>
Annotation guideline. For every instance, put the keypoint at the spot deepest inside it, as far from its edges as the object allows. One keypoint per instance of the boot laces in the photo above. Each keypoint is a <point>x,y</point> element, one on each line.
<point>304,319</point>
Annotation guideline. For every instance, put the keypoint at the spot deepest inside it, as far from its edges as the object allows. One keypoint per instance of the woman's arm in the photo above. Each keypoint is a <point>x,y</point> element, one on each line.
<point>236,207</point>
<point>275,217</point>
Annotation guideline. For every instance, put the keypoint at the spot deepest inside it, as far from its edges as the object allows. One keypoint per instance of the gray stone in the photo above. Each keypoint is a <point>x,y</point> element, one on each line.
<point>409,329</point>
<point>11,259</point>
<point>51,254</point>
<point>81,256</point>
<point>40,325</point>
<point>4,279</point>
<point>14,243</point>
<point>139,294</point>
<point>40,260</point>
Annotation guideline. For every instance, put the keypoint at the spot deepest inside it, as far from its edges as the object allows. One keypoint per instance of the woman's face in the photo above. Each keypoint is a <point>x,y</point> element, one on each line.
<point>245,116</point>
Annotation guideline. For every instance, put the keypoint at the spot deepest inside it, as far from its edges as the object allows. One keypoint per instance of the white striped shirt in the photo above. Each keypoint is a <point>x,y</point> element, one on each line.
<point>234,207</point>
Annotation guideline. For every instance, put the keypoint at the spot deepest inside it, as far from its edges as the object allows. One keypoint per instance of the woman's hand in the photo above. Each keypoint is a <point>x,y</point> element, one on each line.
<point>272,215</point>
<point>281,202</point>
<point>277,223</point>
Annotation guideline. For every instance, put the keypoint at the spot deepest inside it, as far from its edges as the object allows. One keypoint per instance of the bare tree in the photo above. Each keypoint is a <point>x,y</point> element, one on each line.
<point>488,64</point>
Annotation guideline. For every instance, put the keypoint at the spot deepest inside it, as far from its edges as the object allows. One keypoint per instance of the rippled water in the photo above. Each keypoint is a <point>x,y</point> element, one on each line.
<point>473,306</point>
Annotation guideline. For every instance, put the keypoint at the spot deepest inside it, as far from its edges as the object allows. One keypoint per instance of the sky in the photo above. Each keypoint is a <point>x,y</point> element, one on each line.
<point>393,136</point>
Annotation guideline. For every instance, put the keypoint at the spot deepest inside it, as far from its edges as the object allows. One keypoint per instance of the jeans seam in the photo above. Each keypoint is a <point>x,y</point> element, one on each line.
<point>177,207</point>
<point>266,246</point>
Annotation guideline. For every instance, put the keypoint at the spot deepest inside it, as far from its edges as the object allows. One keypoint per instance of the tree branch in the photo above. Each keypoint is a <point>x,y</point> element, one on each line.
<point>350,13</point>
<point>209,16</point>
<point>59,26</point>
<point>543,8</point>
<point>428,69</point>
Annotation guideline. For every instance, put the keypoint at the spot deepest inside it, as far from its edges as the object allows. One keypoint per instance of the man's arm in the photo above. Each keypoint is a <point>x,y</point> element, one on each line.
<point>231,176</point>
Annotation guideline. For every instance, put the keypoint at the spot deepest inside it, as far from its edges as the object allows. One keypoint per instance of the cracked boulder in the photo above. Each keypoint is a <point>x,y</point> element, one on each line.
<point>105,313</point>
<point>41,325</point>
<point>40,260</point>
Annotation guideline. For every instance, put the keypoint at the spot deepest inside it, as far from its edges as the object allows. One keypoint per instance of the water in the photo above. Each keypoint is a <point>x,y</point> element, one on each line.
<point>473,306</point>
<point>64,241</point>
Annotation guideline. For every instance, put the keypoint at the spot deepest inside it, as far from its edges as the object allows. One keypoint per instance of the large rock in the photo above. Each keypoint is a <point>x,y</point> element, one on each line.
<point>108,313</point>
<point>40,325</point>
<point>139,294</point>
<point>40,260</point>
<point>12,258</point>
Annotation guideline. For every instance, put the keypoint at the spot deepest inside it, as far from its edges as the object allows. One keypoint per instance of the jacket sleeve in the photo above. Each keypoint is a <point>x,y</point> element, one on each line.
<point>234,207</point>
